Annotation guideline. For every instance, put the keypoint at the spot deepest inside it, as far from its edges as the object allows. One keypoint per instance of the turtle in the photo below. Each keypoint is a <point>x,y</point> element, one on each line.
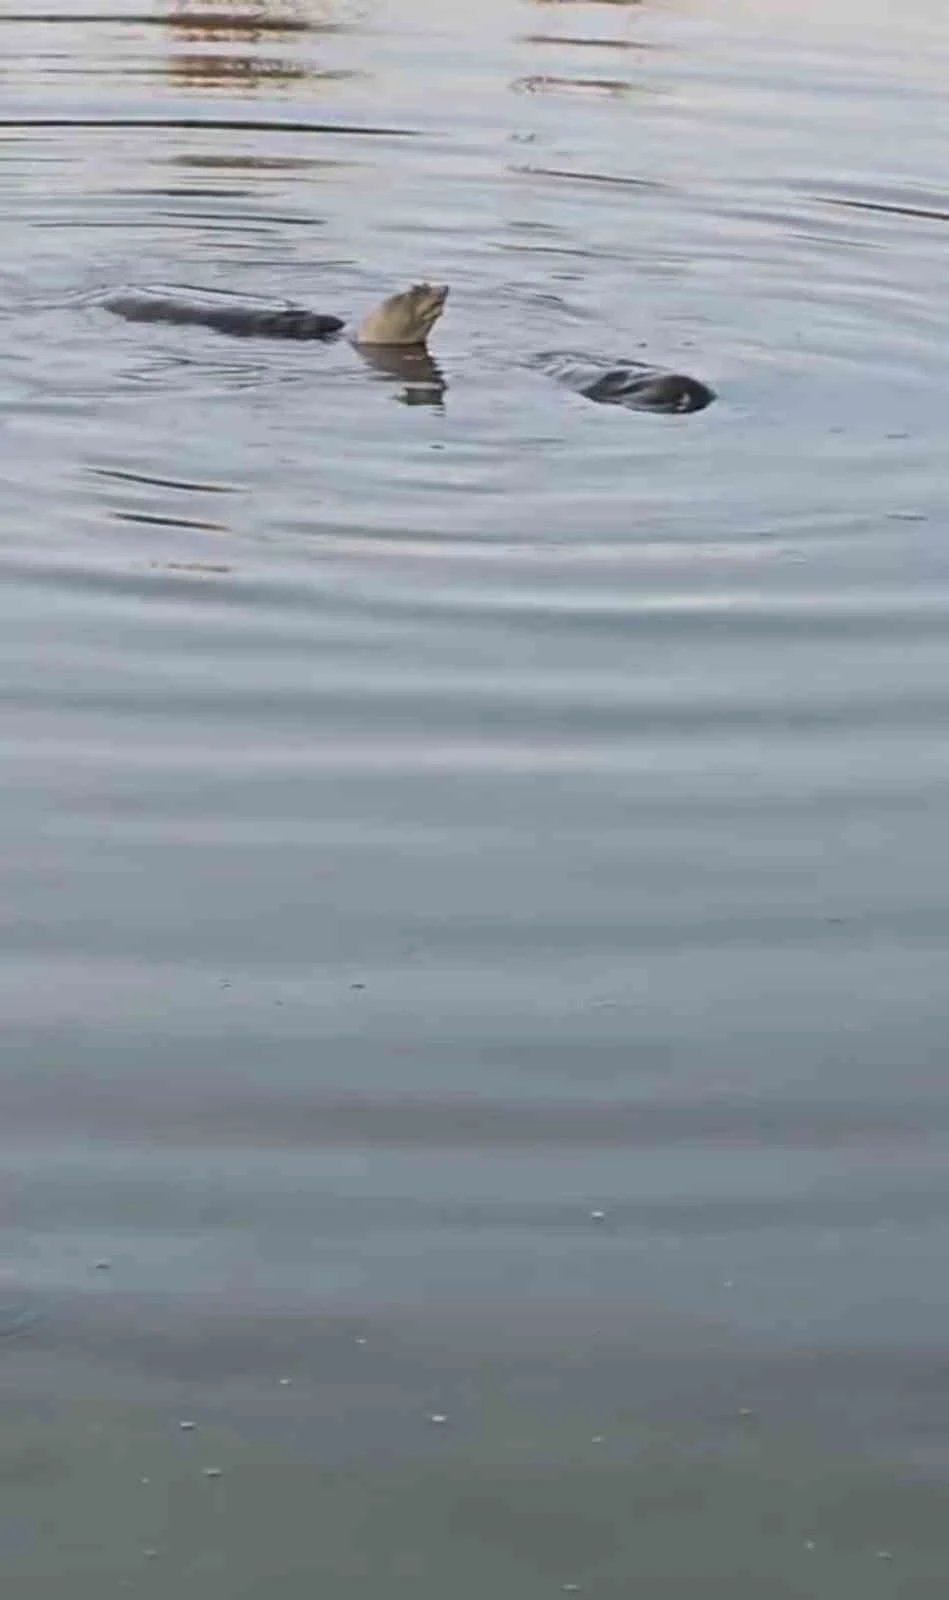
<point>393,338</point>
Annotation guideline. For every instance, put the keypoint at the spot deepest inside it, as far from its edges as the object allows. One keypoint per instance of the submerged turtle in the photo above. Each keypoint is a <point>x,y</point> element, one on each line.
<point>393,339</point>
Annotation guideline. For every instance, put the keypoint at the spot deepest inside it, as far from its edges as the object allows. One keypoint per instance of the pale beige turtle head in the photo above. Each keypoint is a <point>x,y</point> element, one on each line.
<point>406,318</point>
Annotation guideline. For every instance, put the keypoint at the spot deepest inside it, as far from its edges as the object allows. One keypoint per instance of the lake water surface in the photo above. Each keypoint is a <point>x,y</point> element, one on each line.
<point>474,894</point>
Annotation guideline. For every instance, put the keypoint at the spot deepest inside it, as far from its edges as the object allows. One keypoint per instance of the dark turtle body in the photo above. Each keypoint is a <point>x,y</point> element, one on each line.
<point>238,315</point>
<point>633,384</point>
<point>393,341</point>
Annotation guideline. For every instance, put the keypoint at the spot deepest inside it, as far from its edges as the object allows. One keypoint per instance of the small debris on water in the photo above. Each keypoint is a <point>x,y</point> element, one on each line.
<point>809,1544</point>
<point>150,1555</point>
<point>597,1216</point>
<point>285,1383</point>
<point>211,1472</point>
<point>104,1265</point>
<point>186,1426</point>
<point>438,1418</point>
<point>570,1588</point>
<point>144,1480</point>
<point>357,986</point>
<point>361,1341</point>
<point>597,1438</point>
<point>745,1411</point>
<point>884,1555</point>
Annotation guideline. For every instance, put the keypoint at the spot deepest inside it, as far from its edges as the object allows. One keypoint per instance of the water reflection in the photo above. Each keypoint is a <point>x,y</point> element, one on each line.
<point>547,83</point>
<point>585,44</point>
<point>422,377</point>
<point>885,207</point>
<point>249,20</point>
<point>232,71</point>
<point>240,161</point>
<point>592,38</point>
<point>253,25</point>
<point>147,500</point>
<point>610,179</point>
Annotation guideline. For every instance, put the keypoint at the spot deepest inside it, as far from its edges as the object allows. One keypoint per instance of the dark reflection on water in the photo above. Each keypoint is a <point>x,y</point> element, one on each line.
<point>254,20</point>
<point>247,25</point>
<point>892,208</point>
<point>229,125</point>
<point>585,177</point>
<point>422,379</point>
<point>538,83</point>
<point>247,19</point>
<point>579,43</point>
<point>472,1103</point>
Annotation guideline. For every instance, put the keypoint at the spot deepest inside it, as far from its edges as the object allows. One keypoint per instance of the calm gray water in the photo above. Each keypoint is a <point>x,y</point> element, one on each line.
<point>475,916</point>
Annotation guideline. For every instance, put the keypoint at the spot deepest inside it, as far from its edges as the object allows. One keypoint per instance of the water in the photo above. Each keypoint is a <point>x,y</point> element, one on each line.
<point>474,921</point>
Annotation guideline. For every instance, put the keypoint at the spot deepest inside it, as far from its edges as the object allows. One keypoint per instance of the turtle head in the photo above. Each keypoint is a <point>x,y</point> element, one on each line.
<point>405,318</point>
